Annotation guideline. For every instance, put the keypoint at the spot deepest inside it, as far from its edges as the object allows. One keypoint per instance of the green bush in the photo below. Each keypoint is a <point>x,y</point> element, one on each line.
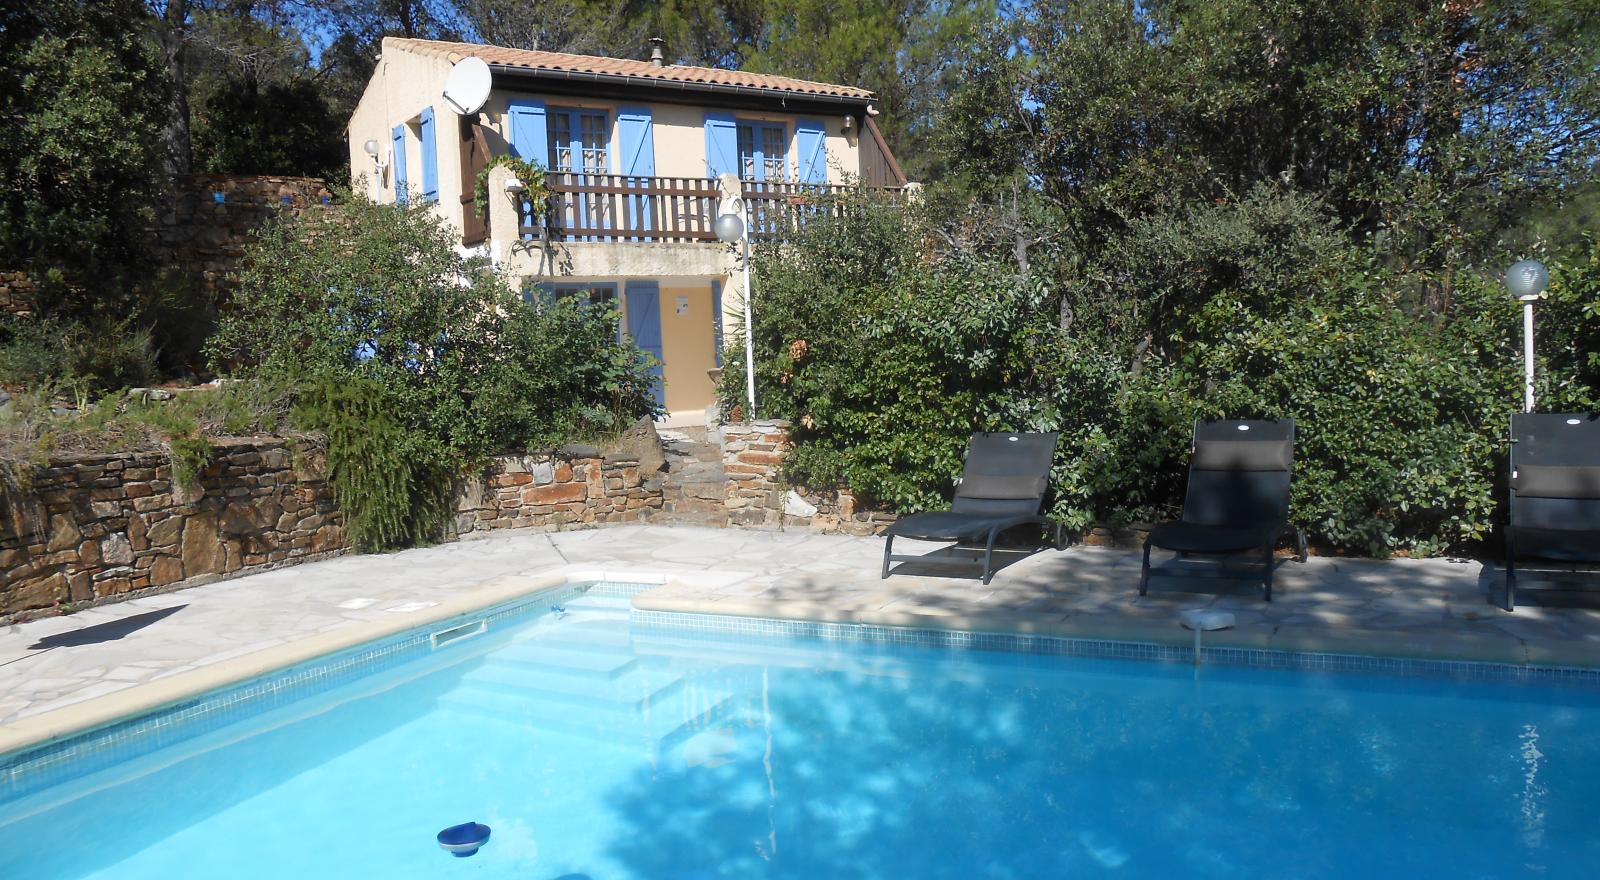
<point>96,357</point>
<point>418,363</point>
<point>1257,308</point>
<point>885,365</point>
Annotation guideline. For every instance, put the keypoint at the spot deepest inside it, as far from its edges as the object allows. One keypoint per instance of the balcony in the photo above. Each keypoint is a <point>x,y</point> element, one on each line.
<point>623,208</point>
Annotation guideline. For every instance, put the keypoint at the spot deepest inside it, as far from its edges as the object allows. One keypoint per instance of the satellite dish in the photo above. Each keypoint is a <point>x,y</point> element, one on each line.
<point>468,86</point>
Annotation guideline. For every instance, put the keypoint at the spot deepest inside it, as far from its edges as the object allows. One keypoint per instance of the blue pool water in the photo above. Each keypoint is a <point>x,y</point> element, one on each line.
<point>596,751</point>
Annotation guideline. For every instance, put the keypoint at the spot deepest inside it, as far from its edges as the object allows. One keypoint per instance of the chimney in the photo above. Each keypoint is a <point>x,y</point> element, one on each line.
<point>656,56</point>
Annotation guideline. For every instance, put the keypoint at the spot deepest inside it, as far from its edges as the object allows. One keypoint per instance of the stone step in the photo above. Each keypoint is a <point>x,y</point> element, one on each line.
<point>640,686</point>
<point>649,726</point>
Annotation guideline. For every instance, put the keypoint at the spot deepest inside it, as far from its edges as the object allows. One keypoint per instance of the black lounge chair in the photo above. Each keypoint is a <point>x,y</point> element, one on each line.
<point>1555,492</point>
<point>1002,486</point>
<point>1238,495</point>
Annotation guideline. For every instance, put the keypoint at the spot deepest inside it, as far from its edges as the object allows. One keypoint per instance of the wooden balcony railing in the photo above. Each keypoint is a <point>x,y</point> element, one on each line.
<point>776,209</point>
<point>619,207</point>
<point>622,208</point>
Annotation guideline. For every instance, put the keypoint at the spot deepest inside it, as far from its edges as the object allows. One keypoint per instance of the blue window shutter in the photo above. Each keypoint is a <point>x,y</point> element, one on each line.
<point>638,142</point>
<point>430,156</point>
<point>813,149</point>
<point>716,315</point>
<point>722,144</point>
<point>530,138</point>
<point>636,158</point>
<point>644,325</point>
<point>398,139</point>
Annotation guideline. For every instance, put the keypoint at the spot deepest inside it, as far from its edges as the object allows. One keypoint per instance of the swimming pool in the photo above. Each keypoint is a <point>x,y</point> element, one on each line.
<point>594,747</point>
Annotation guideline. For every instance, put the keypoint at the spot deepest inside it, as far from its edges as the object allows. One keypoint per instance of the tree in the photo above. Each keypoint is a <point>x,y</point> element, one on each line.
<point>83,95</point>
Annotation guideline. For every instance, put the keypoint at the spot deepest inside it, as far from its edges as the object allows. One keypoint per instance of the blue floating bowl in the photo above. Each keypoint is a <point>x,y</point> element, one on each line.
<point>463,840</point>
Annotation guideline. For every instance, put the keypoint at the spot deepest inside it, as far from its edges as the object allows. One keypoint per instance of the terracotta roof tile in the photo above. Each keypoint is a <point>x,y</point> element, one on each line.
<point>677,73</point>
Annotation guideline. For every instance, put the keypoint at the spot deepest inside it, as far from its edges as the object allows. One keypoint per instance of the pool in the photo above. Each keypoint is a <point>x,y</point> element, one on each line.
<point>595,747</point>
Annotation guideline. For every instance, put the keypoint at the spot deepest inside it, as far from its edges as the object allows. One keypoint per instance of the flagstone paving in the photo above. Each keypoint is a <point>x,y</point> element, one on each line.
<point>1417,608</point>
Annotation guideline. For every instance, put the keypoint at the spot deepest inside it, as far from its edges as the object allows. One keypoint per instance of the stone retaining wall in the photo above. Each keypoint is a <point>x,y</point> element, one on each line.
<point>575,487</point>
<point>205,238</point>
<point>88,529</point>
<point>758,497</point>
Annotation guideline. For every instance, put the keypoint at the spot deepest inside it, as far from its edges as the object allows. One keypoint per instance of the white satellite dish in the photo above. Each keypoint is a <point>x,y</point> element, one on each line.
<point>467,86</point>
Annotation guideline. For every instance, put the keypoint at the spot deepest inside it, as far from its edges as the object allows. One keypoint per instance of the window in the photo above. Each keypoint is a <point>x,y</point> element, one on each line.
<point>763,151</point>
<point>593,293</point>
<point>580,140</point>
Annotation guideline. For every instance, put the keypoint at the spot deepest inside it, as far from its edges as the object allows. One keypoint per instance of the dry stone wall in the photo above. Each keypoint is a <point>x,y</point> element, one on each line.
<point>758,497</point>
<point>202,230</point>
<point>212,217</point>
<point>89,529</point>
<point>578,486</point>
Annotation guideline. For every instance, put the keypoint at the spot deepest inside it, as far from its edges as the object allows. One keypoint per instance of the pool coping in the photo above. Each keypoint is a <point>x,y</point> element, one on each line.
<point>691,594</point>
<point>149,697</point>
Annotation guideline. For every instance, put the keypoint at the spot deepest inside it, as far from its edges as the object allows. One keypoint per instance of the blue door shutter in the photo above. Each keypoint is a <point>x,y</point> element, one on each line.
<point>398,141</point>
<point>644,325</point>
<point>636,159</point>
<point>722,144</point>
<point>430,156</point>
<point>813,148</point>
<point>530,138</point>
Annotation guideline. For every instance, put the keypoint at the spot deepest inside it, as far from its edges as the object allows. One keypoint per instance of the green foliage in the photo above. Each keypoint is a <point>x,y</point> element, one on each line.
<point>392,485</point>
<point>446,362</point>
<point>246,127</point>
<point>887,352</point>
<point>81,95</point>
<point>886,365</point>
<point>536,187</point>
<point>43,351</point>
<point>34,428</point>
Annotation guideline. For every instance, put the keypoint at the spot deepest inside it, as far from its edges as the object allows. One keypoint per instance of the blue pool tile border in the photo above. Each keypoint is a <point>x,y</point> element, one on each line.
<point>758,628</point>
<point>34,769</point>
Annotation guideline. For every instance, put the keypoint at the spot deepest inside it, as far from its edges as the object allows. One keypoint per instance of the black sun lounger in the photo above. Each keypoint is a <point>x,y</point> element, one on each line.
<point>1238,495</point>
<point>1002,485</point>
<point>1555,491</point>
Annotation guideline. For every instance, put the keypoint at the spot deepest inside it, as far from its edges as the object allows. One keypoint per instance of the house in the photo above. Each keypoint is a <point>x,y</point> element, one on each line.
<point>642,156</point>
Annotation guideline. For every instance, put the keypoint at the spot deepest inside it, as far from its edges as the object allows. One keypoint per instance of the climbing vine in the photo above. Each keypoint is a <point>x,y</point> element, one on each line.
<point>536,192</point>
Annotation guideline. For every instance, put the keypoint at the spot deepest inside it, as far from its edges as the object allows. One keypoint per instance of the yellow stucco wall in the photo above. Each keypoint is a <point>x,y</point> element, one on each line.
<point>403,84</point>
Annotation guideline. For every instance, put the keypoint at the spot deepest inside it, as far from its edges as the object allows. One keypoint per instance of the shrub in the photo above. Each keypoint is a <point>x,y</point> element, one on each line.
<point>886,365</point>
<point>418,363</point>
<point>96,357</point>
<point>1258,308</point>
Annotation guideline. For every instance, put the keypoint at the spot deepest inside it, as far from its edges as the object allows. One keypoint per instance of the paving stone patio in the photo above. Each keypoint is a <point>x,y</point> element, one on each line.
<point>1416,608</point>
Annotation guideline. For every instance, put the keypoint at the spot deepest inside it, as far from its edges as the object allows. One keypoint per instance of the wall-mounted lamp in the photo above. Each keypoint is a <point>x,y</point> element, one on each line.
<point>371,148</point>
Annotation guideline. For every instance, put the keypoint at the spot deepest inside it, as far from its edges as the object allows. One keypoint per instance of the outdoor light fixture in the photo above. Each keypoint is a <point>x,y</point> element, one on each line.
<point>1526,280</point>
<point>731,229</point>
<point>371,148</point>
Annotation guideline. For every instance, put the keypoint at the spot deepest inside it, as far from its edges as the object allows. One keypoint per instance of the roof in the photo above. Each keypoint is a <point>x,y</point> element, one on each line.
<point>527,59</point>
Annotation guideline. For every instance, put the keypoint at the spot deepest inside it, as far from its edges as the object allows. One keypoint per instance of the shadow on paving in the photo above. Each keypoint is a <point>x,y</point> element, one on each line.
<point>105,632</point>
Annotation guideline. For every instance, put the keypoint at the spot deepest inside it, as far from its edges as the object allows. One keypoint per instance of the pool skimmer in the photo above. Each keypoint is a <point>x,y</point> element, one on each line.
<point>1202,620</point>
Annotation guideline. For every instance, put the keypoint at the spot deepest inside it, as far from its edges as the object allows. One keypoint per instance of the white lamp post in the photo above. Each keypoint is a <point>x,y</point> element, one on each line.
<point>1526,280</point>
<point>731,228</point>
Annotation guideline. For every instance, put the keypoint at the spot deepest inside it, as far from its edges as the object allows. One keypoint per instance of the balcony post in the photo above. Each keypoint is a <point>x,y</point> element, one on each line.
<point>505,220</point>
